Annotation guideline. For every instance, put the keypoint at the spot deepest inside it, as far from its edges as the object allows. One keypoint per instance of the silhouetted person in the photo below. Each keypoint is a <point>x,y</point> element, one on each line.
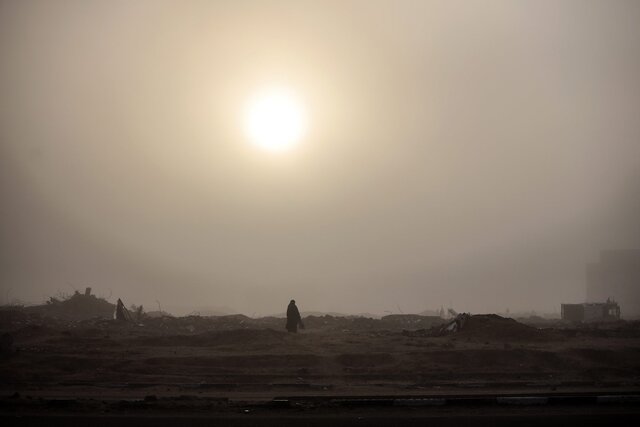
<point>293,318</point>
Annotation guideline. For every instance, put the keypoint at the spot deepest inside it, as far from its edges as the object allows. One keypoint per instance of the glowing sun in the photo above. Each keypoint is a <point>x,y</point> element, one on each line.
<point>275,119</point>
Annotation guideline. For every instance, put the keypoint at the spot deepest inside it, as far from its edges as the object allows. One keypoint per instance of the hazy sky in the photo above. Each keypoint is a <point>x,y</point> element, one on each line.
<point>474,153</point>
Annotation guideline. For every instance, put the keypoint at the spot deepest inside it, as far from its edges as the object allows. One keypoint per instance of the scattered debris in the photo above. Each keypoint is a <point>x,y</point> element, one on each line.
<point>456,324</point>
<point>400,321</point>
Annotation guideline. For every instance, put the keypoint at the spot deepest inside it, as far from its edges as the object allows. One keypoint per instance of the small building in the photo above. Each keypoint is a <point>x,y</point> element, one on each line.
<point>591,311</point>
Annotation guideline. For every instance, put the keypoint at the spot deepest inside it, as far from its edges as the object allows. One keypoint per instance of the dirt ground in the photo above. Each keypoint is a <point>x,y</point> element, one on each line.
<point>235,356</point>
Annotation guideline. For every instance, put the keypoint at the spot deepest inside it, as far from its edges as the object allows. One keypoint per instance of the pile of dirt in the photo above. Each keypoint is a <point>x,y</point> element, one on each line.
<point>76,307</point>
<point>540,322</point>
<point>489,327</point>
<point>494,327</point>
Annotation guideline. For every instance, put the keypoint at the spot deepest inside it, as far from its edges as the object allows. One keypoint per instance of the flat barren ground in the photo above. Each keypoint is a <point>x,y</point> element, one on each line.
<point>234,370</point>
<point>235,356</point>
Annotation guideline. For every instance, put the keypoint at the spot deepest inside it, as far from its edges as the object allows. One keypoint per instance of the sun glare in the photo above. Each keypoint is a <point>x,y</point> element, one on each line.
<point>275,119</point>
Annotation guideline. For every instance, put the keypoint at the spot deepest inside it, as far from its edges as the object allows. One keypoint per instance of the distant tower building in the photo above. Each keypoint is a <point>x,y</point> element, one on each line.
<point>616,275</point>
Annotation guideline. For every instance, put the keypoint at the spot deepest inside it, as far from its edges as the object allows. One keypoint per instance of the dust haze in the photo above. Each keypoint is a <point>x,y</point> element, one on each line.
<point>474,155</point>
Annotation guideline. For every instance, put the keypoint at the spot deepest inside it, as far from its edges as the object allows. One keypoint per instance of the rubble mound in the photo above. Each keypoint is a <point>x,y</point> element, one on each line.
<point>488,327</point>
<point>76,307</point>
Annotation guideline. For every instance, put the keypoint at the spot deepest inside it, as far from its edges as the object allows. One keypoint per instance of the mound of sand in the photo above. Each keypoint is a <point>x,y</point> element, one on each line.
<point>494,327</point>
<point>485,327</point>
<point>76,307</point>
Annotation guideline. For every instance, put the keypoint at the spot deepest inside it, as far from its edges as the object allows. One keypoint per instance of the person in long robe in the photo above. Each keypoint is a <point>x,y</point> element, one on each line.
<point>293,318</point>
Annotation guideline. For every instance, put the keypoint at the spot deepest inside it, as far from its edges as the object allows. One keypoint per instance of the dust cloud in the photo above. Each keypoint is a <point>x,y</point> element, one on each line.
<point>476,157</point>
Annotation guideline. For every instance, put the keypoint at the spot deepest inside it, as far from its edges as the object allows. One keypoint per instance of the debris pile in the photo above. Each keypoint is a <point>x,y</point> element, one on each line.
<point>76,307</point>
<point>455,325</point>
<point>484,327</point>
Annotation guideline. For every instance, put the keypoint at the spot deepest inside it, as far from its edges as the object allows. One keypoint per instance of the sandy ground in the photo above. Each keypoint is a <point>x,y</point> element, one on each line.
<point>237,357</point>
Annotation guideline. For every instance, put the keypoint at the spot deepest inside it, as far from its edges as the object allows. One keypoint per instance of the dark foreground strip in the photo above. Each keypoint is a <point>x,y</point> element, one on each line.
<point>348,418</point>
<point>587,409</point>
<point>525,400</point>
